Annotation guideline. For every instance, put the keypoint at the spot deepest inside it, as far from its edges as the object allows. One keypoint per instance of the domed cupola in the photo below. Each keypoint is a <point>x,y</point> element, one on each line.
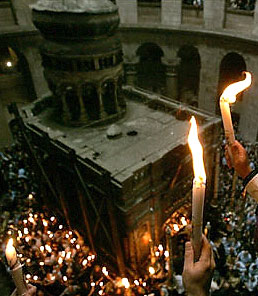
<point>82,59</point>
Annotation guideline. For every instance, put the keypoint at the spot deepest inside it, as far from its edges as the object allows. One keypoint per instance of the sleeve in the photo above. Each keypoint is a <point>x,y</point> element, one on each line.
<point>252,187</point>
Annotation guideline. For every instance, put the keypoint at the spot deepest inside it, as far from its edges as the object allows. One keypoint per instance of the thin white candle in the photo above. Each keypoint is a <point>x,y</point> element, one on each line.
<point>198,192</point>
<point>229,97</point>
<point>16,268</point>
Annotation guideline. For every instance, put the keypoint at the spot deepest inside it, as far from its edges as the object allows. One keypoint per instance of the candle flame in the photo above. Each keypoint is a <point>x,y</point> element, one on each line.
<point>197,153</point>
<point>9,244</point>
<point>230,92</point>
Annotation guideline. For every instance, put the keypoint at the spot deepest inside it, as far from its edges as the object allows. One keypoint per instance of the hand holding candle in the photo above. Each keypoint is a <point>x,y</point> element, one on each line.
<point>16,268</point>
<point>229,97</point>
<point>198,192</point>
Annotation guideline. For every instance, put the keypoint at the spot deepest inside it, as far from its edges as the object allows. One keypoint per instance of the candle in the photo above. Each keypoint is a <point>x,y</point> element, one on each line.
<point>198,191</point>
<point>229,97</point>
<point>16,268</point>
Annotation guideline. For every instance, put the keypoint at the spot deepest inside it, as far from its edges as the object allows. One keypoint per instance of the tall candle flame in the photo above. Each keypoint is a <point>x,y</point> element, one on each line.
<point>230,92</point>
<point>197,153</point>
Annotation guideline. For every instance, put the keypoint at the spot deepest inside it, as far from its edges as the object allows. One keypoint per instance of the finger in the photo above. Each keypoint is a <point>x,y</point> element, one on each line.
<point>206,250</point>
<point>189,255</point>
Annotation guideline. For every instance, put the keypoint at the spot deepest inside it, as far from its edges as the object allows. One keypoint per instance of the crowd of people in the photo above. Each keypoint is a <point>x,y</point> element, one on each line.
<point>236,4</point>
<point>58,262</point>
<point>242,4</point>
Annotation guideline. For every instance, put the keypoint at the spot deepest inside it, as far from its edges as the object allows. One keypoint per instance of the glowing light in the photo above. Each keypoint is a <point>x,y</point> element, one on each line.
<point>25,231</point>
<point>125,282</point>
<point>60,260</point>
<point>67,235</point>
<point>101,284</point>
<point>10,253</point>
<point>51,235</point>
<point>28,276</point>
<point>176,227</point>
<point>19,233</point>
<point>144,284</point>
<point>27,239</point>
<point>45,223</point>
<point>136,282</point>
<point>92,257</point>
<point>166,254</point>
<point>25,221</point>
<point>52,218</point>
<point>183,221</point>
<point>89,258</point>
<point>70,233</point>
<point>92,284</point>
<point>42,248</point>
<point>41,263</point>
<point>60,226</point>
<point>151,270</point>
<point>63,253</point>
<point>30,196</point>
<point>84,262</point>
<point>197,153</point>
<point>64,278</point>
<point>160,248</point>
<point>157,254</point>
<point>9,64</point>
<point>31,220</point>
<point>35,277</point>
<point>28,260</point>
<point>100,292</point>
<point>78,246</point>
<point>68,255</point>
<point>229,94</point>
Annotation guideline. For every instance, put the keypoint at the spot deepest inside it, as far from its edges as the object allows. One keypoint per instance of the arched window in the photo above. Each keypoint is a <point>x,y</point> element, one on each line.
<point>189,74</point>
<point>72,101</point>
<point>108,97</point>
<point>91,100</point>
<point>150,71</point>
<point>231,70</point>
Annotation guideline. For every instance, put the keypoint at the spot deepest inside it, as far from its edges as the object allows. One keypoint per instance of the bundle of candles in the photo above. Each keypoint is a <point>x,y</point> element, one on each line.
<point>56,257</point>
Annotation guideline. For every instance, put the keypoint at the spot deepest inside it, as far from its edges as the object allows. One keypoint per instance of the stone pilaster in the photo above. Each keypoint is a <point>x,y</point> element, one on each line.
<point>171,77</point>
<point>214,14</point>
<point>23,12</point>
<point>171,12</point>
<point>130,73</point>
<point>35,65</point>
<point>127,11</point>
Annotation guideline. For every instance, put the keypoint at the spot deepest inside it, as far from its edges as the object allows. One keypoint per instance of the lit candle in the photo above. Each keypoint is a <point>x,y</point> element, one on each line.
<point>229,97</point>
<point>198,192</point>
<point>16,268</point>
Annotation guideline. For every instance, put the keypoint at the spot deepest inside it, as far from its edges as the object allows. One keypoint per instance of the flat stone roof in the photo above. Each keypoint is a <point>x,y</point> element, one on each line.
<point>157,133</point>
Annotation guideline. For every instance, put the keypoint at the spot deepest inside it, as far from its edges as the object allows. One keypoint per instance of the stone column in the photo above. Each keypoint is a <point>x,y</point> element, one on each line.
<point>209,77</point>
<point>214,13</point>
<point>171,12</point>
<point>171,77</point>
<point>130,73</point>
<point>5,135</point>
<point>127,11</point>
<point>102,111</point>
<point>255,24</point>
<point>115,95</point>
<point>66,111</point>
<point>83,114</point>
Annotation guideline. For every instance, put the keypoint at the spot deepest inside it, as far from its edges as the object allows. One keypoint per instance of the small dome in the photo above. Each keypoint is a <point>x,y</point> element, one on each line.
<point>75,6</point>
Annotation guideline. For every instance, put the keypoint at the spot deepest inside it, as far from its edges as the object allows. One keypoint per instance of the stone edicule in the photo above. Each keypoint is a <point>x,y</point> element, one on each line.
<point>82,58</point>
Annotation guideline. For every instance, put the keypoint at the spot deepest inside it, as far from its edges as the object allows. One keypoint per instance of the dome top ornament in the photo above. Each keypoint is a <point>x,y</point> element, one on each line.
<point>75,6</point>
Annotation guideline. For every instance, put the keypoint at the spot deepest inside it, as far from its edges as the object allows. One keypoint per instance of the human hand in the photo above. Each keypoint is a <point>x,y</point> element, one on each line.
<point>31,291</point>
<point>237,158</point>
<point>197,276</point>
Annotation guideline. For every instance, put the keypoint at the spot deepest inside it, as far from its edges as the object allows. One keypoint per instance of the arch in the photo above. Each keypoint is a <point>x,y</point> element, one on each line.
<point>108,96</point>
<point>189,74</point>
<point>14,65</point>
<point>231,70</point>
<point>90,99</point>
<point>150,70</point>
<point>72,101</point>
